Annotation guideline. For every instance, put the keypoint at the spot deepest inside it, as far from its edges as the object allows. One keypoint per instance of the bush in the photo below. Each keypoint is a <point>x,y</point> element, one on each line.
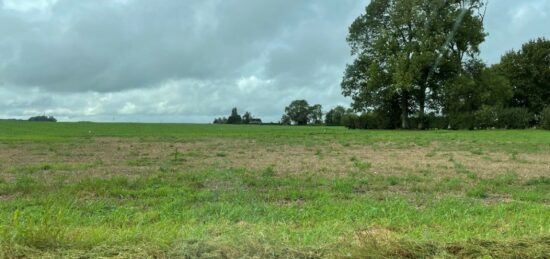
<point>361,121</point>
<point>462,121</point>
<point>433,121</point>
<point>514,118</point>
<point>378,120</point>
<point>367,120</point>
<point>349,120</point>
<point>545,118</point>
<point>487,117</point>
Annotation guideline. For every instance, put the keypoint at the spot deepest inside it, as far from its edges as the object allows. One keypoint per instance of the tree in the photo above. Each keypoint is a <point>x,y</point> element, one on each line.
<point>477,88</point>
<point>285,120</point>
<point>247,117</point>
<point>43,118</point>
<point>528,71</point>
<point>334,116</point>
<point>406,49</point>
<point>545,118</point>
<point>235,118</point>
<point>298,111</point>
<point>222,120</point>
<point>316,114</point>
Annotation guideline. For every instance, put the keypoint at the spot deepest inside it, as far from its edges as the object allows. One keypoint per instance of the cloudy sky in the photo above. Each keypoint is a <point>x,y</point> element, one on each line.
<point>192,60</point>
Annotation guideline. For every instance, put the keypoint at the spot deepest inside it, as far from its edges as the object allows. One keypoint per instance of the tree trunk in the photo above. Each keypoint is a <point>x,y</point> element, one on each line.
<point>421,112</point>
<point>404,111</point>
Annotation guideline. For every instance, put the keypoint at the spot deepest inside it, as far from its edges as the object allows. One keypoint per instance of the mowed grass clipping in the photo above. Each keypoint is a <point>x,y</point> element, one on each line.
<point>203,191</point>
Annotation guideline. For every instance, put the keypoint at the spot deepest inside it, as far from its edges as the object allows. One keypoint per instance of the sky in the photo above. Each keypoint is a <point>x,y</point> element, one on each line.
<point>193,60</point>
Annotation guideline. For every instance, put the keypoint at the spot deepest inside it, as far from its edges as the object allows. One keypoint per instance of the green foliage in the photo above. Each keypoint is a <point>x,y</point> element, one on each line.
<point>403,53</point>
<point>334,116</point>
<point>473,99</point>
<point>43,118</point>
<point>234,118</point>
<point>514,118</point>
<point>315,114</point>
<point>528,70</point>
<point>479,191</point>
<point>545,118</point>
<point>298,111</point>
<point>247,117</point>
<point>487,117</point>
<point>301,113</point>
<point>350,120</point>
<point>222,120</point>
<point>285,120</point>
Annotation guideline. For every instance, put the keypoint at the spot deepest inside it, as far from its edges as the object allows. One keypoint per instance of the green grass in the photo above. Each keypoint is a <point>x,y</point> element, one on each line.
<point>56,209</point>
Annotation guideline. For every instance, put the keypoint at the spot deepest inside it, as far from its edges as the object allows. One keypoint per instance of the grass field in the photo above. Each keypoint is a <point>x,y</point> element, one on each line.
<point>87,190</point>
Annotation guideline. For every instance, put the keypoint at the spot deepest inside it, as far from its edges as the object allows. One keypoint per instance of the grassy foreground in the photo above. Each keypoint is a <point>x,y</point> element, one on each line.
<point>217,191</point>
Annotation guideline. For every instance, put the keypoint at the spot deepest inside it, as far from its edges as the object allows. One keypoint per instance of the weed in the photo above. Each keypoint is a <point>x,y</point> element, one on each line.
<point>478,191</point>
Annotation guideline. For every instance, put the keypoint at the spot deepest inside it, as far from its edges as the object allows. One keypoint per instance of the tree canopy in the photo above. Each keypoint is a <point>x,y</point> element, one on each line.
<point>528,71</point>
<point>43,118</point>
<point>300,113</point>
<point>406,51</point>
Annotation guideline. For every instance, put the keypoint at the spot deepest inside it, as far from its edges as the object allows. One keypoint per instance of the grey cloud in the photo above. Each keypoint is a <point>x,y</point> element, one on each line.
<point>192,60</point>
<point>107,47</point>
<point>510,23</point>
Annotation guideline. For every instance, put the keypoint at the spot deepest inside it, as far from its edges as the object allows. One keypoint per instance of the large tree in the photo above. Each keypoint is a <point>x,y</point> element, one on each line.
<point>316,114</point>
<point>528,71</point>
<point>406,50</point>
<point>298,111</point>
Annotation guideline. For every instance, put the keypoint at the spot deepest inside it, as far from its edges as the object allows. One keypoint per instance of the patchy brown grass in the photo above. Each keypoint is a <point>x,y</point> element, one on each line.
<point>127,156</point>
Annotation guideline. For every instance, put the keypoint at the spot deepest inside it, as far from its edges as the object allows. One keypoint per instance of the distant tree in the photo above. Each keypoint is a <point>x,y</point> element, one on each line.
<point>334,116</point>
<point>298,111</point>
<point>43,118</point>
<point>235,118</point>
<point>316,114</point>
<point>247,118</point>
<point>255,121</point>
<point>222,120</point>
<point>285,120</point>
<point>528,71</point>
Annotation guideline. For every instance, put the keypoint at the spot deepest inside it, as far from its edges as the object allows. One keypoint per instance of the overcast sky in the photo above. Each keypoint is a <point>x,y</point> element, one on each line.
<point>193,60</point>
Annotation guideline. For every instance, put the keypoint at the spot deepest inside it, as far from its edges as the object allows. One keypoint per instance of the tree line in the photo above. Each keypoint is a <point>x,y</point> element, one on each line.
<point>43,118</point>
<point>236,118</point>
<point>416,65</point>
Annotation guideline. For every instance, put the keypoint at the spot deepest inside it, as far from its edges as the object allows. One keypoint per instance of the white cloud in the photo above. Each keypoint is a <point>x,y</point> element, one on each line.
<point>28,5</point>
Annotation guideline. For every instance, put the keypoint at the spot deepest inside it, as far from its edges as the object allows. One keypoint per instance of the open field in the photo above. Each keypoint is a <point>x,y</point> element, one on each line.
<point>151,190</point>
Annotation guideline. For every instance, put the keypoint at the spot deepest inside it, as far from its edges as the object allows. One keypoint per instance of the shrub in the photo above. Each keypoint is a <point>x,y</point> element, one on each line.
<point>367,120</point>
<point>349,120</point>
<point>545,118</point>
<point>361,121</point>
<point>487,117</point>
<point>377,120</point>
<point>462,121</point>
<point>433,121</point>
<point>514,118</point>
